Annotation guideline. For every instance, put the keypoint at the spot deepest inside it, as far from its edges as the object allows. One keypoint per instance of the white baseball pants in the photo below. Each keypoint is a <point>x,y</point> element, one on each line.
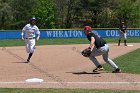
<point>30,45</point>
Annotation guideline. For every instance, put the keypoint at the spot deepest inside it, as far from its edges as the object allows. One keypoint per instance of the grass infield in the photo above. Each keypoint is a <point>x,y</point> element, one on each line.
<point>129,63</point>
<point>60,41</point>
<point>29,90</point>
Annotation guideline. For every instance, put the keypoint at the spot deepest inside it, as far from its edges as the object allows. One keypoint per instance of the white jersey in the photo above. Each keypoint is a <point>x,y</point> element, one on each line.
<point>30,31</point>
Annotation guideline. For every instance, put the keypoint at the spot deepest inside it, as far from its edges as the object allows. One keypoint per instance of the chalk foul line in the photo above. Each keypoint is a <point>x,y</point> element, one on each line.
<point>23,82</point>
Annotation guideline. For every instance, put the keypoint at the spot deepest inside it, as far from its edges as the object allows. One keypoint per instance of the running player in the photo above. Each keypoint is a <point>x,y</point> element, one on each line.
<point>28,34</point>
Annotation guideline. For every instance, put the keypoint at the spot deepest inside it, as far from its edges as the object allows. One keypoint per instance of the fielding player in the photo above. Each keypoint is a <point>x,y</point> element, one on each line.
<point>98,47</point>
<point>123,33</point>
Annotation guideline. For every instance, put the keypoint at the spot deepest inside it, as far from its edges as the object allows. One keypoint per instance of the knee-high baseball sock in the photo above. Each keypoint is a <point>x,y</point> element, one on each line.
<point>29,57</point>
<point>119,42</point>
<point>125,43</point>
<point>109,61</point>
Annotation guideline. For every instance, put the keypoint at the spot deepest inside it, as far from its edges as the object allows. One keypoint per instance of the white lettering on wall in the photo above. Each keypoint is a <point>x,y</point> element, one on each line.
<point>79,33</point>
<point>134,33</point>
<point>55,33</point>
<point>61,34</point>
<point>112,33</point>
<point>49,33</point>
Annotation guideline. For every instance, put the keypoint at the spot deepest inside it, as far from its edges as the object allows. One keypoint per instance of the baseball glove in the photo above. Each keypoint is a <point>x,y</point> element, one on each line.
<point>86,52</point>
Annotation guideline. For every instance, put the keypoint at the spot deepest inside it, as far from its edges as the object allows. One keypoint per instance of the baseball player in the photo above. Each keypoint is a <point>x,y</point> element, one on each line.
<point>99,47</point>
<point>28,34</point>
<point>123,33</point>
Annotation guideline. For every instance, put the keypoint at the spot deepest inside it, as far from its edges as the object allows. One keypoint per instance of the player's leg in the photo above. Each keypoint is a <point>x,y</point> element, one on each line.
<point>29,57</point>
<point>95,61</point>
<point>120,39</point>
<point>125,37</point>
<point>27,46</point>
<point>109,61</point>
<point>32,48</point>
<point>119,42</point>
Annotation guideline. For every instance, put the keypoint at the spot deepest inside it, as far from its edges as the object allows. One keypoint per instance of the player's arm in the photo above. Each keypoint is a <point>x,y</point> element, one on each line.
<point>120,29</point>
<point>38,36</point>
<point>22,33</point>
<point>126,29</point>
<point>92,43</point>
<point>38,33</point>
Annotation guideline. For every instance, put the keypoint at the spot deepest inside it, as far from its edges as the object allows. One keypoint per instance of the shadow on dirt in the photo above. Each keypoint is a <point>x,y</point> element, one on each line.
<point>83,72</point>
<point>20,62</point>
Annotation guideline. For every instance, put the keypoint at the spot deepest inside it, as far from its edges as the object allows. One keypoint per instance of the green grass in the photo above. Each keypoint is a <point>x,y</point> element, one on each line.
<point>10,90</point>
<point>129,63</point>
<point>129,40</point>
<point>59,41</point>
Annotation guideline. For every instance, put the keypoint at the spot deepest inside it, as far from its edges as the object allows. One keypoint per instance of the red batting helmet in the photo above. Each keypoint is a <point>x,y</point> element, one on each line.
<point>87,28</point>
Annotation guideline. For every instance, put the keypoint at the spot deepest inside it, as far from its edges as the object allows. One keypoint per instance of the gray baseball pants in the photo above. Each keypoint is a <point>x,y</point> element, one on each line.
<point>104,52</point>
<point>123,35</point>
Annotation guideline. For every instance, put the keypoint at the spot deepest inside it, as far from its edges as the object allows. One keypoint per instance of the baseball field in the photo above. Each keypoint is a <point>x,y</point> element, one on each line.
<point>64,70</point>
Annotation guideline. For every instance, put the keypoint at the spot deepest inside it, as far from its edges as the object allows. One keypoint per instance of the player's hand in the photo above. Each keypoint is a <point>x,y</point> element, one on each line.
<point>122,32</point>
<point>37,38</point>
<point>22,38</point>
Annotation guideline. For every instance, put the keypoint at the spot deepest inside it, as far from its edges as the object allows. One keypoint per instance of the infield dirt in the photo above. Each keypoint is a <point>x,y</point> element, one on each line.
<point>62,66</point>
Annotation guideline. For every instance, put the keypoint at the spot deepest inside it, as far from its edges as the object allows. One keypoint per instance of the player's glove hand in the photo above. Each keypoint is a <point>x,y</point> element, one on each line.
<point>86,52</point>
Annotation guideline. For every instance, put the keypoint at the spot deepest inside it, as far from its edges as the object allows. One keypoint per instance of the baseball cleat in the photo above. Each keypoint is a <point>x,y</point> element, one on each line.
<point>117,71</point>
<point>27,61</point>
<point>99,68</point>
<point>118,44</point>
